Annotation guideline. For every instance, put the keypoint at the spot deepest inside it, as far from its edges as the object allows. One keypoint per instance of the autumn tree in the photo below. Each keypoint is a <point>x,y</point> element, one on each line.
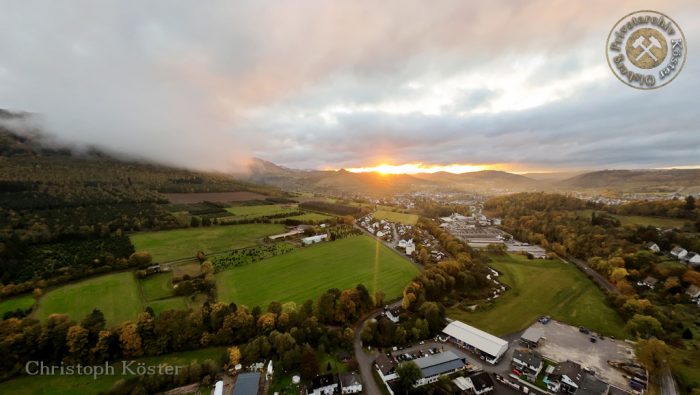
<point>644,326</point>
<point>408,373</point>
<point>234,355</point>
<point>130,340</point>
<point>654,355</point>
<point>308,368</point>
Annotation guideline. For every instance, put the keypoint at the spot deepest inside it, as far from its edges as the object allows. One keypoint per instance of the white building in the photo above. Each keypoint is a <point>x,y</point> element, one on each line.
<point>679,252</point>
<point>490,347</point>
<point>350,383</point>
<point>654,247</point>
<point>314,239</point>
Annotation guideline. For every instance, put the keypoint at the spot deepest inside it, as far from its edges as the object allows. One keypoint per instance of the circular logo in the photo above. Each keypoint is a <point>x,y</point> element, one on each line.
<point>646,49</point>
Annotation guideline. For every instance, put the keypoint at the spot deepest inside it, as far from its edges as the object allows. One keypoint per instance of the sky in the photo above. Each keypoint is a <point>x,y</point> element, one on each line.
<point>513,85</point>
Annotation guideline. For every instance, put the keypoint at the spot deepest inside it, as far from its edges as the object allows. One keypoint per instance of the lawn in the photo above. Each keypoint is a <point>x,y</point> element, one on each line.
<point>116,295</point>
<point>183,243</point>
<point>23,302</point>
<point>262,210</point>
<point>308,272</point>
<point>403,218</point>
<point>78,385</point>
<point>157,286</point>
<point>540,287</point>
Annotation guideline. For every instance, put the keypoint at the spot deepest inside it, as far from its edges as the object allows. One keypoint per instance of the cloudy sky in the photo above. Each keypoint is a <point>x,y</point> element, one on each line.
<point>520,85</point>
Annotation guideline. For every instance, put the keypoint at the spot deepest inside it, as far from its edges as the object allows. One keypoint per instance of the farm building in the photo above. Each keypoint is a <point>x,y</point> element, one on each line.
<point>291,233</point>
<point>246,384</point>
<point>434,366</point>
<point>490,347</point>
<point>314,239</point>
<point>532,337</point>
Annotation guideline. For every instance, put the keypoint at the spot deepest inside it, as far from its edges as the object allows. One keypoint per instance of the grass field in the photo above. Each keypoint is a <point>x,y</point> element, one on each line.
<point>175,303</point>
<point>307,272</point>
<point>23,302</point>
<point>407,219</point>
<point>540,288</point>
<point>182,243</point>
<point>157,286</point>
<point>309,217</point>
<point>658,222</point>
<point>261,210</point>
<point>79,385</point>
<point>116,295</point>
<point>650,221</point>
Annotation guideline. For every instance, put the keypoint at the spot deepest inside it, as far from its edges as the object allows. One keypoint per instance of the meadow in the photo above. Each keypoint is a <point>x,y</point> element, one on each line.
<point>542,287</point>
<point>116,295</point>
<point>184,243</point>
<point>308,272</point>
<point>262,210</point>
<point>79,385</point>
<point>23,302</point>
<point>308,216</point>
<point>658,222</point>
<point>403,218</point>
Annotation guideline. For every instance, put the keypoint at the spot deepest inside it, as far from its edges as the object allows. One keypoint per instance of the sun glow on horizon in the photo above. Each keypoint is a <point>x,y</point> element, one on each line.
<point>417,168</point>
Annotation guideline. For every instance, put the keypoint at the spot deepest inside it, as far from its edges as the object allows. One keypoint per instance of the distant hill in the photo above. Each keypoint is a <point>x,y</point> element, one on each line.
<point>635,180</point>
<point>343,181</point>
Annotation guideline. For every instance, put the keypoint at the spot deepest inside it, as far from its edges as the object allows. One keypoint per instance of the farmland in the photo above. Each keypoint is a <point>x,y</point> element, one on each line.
<point>116,295</point>
<point>184,243</point>
<point>392,216</point>
<point>263,210</point>
<point>307,272</point>
<point>658,222</point>
<point>538,288</point>
<point>78,385</point>
<point>315,217</point>
<point>221,197</point>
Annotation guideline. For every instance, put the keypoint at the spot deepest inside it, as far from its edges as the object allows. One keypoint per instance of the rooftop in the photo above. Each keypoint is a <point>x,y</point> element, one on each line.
<point>485,342</point>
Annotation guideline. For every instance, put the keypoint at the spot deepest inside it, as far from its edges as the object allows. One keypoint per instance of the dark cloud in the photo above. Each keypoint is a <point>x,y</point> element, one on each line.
<point>345,84</point>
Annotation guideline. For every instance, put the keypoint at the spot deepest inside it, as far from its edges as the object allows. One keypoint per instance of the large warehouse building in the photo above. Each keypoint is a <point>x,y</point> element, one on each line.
<point>490,347</point>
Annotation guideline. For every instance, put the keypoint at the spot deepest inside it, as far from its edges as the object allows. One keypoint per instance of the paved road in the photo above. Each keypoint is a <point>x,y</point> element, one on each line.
<point>391,246</point>
<point>668,384</point>
<point>597,277</point>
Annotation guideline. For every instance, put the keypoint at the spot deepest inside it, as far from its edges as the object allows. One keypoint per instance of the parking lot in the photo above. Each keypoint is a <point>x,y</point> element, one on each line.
<point>564,342</point>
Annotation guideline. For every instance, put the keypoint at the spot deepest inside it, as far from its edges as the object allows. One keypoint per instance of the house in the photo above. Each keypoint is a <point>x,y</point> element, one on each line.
<point>314,239</point>
<point>693,293</point>
<point>393,314</point>
<point>591,385</point>
<point>436,365</point>
<point>679,252</point>
<point>410,249</point>
<point>478,384</point>
<point>489,347</point>
<point>380,233</point>
<point>323,385</point>
<point>529,363</point>
<point>532,336</point>
<point>654,247</point>
<point>566,378</point>
<point>247,384</point>
<point>350,383</point>
<point>649,282</point>
<point>694,259</point>
<point>385,367</point>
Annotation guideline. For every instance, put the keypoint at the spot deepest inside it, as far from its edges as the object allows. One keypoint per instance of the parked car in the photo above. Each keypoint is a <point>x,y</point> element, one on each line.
<point>545,319</point>
<point>584,330</point>
<point>593,339</point>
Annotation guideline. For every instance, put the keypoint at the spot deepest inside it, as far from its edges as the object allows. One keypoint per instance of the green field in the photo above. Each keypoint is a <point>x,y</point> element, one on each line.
<point>183,243</point>
<point>23,302</point>
<point>176,303</point>
<point>262,210</point>
<point>116,295</point>
<point>157,286</point>
<point>316,217</point>
<point>540,287</point>
<point>79,385</point>
<point>657,222</point>
<point>407,219</point>
<point>307,272</point>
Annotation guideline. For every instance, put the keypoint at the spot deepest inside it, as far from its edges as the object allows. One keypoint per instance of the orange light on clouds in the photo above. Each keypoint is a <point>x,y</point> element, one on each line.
<point>416,168</point>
